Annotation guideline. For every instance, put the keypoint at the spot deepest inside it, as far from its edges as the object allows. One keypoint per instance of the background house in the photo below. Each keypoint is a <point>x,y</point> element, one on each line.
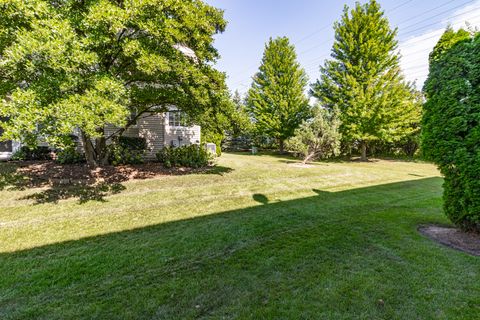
<point>158,129</point>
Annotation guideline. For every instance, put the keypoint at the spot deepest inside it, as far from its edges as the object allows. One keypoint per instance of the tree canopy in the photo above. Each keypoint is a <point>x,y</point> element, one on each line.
<point>276,99</point>
<point>79,65</point>
<point>363,81</point>
<point>451,123</point>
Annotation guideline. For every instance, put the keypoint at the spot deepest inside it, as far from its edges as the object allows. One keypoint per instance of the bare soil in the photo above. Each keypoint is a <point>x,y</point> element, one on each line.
<point>453,238</point>
<point>301,165</point>
<point>41,173</point>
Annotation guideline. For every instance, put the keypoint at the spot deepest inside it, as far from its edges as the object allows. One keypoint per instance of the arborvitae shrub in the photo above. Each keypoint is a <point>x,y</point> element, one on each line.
<point>451,124</point>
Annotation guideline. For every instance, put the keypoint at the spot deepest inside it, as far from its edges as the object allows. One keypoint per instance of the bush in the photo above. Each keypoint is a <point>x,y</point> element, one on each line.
<point>318,137</point>
<point>127,150</point>
<point>38,153</point>
<point>193,156</point>
<point>69,156</point>
<point>451,124</point>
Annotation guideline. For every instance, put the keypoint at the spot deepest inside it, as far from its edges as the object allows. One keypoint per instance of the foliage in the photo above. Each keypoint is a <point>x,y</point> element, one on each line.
<point>37,153</point>
<point>451,125</point>
<point>19,155</point>
<point>276,99</point>
<point>213,137</point>
<point>69,155</point>
<point>193,156</point>
<point>84,64</point>
<point>448,39</point>
<point>239,136</point>
<point>363,80</point>
<point>241,122</point>
<point>127,150</point>
<point>317,137</point>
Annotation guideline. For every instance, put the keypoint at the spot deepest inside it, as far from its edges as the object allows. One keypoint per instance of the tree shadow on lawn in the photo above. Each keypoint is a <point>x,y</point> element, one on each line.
<point>61,182</point>
<point>331,254</point>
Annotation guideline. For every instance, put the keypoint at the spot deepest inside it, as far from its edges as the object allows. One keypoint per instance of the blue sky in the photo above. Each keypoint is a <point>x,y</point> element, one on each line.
<point>308,24</point>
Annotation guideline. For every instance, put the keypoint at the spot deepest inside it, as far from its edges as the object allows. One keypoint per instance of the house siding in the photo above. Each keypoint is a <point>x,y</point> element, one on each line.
<point>151,127</point>
<point>180,136</point>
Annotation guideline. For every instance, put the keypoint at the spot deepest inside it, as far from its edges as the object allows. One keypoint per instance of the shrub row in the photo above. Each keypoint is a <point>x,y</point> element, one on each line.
<point>125,150</point>
<point>193,156</point>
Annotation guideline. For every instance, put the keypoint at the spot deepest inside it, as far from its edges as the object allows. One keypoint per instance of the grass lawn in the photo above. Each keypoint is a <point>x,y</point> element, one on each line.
<point>256,239</point>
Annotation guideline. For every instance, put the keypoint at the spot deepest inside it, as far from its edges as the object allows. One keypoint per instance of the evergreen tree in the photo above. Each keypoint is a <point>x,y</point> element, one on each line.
<point>363,80</point>
<point>451,124</point>
<point>241,122</point>
<point>276,99</point>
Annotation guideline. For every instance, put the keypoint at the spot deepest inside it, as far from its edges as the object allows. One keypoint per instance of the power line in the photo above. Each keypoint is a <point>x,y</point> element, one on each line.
<point>312,34</point>
<point>428,25</point>
<point>425,12</point>
<point>409,32</point>
<point>399,6</point>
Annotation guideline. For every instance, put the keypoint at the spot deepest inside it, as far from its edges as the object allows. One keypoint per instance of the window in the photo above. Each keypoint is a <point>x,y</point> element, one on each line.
<point>177,119</point>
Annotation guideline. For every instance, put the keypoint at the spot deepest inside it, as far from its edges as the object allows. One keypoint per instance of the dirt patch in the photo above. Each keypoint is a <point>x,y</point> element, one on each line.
<point>300,165</point>
<point>43,173</point>
<point>453,238</point>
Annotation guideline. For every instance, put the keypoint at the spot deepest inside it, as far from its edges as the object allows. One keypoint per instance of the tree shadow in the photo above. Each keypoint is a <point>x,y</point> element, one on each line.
<point>261,198</point>
<point>84,193</point>
<point>59,182</point>
<point>243,261</point>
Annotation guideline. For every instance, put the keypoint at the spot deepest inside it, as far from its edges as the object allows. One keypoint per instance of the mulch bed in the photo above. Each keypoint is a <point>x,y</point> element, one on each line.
<point>43,173</point>
<point>453,238</point>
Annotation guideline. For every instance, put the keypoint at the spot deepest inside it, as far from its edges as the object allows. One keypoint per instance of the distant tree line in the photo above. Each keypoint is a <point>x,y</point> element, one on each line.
<point>361,87</point>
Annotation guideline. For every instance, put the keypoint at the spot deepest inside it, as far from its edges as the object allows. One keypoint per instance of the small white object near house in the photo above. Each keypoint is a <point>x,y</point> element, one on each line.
<point>211,147</point>
<point>254,150</point>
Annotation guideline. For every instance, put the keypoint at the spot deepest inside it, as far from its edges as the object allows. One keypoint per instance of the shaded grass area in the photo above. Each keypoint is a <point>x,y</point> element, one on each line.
<point>57,182</point>
<point>263,241</point>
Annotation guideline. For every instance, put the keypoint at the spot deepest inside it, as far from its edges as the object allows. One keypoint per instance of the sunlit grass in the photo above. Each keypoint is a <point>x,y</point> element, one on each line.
<point>262,240</point>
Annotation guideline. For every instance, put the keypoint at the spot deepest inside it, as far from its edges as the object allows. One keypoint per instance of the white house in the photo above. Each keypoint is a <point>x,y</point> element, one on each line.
<point>158,129</point>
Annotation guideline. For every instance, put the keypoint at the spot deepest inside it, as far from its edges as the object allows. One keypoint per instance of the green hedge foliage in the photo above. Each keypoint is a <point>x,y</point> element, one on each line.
<point>127,150</point>
<point>193,156</point>
<point>38,153</point>
<point>451,124</point>
<point>69,156</point>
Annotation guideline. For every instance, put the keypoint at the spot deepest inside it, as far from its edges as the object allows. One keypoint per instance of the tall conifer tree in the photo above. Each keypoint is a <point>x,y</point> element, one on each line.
<point>363,80</point>
<point>276,100</point>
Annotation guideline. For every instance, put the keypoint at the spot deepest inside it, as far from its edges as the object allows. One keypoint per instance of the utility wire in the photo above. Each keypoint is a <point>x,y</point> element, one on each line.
<point>409,32</point>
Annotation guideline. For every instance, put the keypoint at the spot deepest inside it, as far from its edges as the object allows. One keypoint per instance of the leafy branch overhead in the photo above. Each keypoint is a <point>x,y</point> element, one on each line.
<point>70,64</point>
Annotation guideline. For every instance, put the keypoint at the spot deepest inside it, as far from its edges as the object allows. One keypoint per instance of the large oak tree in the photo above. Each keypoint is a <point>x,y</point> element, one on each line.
<point>79,65</point>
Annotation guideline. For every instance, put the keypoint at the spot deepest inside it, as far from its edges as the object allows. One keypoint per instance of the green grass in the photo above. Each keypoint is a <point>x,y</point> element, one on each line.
<point>263,240</point>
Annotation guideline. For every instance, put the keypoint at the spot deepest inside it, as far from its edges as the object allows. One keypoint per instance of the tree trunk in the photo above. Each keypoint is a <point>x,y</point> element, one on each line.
<point>308,157</point>
<point>281,146</point>
<point>89,150</point>
<point>101,151</point>
<point>363,147</point>
<point>95,154</point>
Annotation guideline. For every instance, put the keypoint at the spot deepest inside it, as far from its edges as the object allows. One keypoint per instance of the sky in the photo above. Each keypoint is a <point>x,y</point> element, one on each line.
<point>309,26</point>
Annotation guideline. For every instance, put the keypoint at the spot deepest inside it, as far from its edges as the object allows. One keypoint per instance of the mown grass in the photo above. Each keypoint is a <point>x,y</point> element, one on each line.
<point>263,240</point>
